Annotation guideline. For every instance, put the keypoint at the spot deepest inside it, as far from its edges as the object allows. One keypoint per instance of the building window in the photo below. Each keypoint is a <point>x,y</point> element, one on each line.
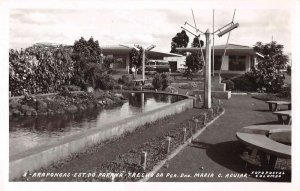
<point>217,62</point>
<point>237,63</point>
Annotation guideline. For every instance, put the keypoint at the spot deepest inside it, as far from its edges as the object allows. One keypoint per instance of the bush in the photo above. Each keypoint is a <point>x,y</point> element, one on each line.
<point>165,81</point>
<point>285,92</point>
<point>72,88</point>
<point>125,80</point>
<point>160,81</point>
<point>39,70</point>
<point>244,83</point>
<point>148,86</point>
<point>229,84</point>
<point>105,82</point>
<point>157,81</point>
<point>289,70</point>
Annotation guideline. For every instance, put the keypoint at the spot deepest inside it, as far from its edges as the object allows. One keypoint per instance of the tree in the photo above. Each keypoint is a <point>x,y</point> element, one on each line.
<point>266,74</point>
<point>194,61</point>
<point>273,53</point>
<point>87,57</point>
<point>181,40</point>
<point>136,57</point>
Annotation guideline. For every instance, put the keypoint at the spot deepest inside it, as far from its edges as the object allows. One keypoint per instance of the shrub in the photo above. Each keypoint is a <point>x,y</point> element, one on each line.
<point>105,82</point>
<point>165,81</point>
<point>289,70</point>
<point>244,83</point>
<point>157,81</point>
<point>229,84</point>
<point>160,81</point>
<point>39,69</point>
<point>148,86</point>
<point>285,92</point>
<point>125,80</point>
<point>72,88</point>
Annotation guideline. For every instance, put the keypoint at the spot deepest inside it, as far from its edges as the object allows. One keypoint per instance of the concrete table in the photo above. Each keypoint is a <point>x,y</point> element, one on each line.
<point>281,114</point>
<point>266,140</point>
<point>277,103</point>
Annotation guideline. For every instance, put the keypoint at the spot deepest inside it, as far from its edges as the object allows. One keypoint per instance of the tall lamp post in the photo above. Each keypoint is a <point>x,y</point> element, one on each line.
<point>223,30</point>
<point>143,60</point>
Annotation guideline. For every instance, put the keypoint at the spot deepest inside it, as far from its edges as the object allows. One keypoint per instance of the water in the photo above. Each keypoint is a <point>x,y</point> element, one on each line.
<point>28,132</point>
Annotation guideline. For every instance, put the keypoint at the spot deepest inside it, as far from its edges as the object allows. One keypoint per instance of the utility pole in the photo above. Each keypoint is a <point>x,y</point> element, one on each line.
<point>223,30</point>
<point>213,51</point>
<point>207,88</point>
<point>143,65</point>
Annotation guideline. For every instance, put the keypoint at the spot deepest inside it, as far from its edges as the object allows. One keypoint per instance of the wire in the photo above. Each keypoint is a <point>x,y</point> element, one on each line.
<point>226,45</point>
<point>194,19</point>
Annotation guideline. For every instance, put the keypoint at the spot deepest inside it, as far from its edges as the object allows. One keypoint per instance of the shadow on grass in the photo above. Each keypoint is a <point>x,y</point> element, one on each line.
<point>227,154</point>
<point>269,123</point>
<point>263,110</point>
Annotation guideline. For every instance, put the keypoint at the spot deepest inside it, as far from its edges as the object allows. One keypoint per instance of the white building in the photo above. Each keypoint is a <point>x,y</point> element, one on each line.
<point>177,63</point>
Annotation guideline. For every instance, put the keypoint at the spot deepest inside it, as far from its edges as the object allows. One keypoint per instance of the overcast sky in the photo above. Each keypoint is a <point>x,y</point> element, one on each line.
<point>144,26</point>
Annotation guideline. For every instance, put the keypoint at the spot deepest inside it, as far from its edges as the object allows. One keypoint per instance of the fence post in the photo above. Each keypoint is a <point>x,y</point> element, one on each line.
<point>196,124</point>
<point>204,118</point>
<point>184,134</point>
<point>168,144</point>
<point>144,160</point>
<point>121,87</point>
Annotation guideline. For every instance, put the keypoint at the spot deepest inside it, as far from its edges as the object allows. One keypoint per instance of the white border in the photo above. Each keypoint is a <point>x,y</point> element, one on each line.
<point>6,5</point>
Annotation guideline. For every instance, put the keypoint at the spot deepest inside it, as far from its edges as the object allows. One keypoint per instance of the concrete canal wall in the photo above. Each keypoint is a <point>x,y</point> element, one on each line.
<point>43,156</point>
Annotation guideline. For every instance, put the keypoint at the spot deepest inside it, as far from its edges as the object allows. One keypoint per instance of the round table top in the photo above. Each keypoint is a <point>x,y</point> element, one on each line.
<point>279,102</point>
<point>260,137</point>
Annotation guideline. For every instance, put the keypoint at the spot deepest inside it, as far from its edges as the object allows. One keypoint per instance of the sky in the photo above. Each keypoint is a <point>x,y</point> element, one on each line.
<point>144,26</point>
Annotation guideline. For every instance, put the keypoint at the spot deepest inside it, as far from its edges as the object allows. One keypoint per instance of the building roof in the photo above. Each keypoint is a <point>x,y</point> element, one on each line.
<point>219,49</point>
<point>125,50</point>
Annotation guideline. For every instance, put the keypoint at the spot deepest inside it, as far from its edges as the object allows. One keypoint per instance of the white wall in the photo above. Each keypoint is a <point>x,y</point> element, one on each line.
<point>180,61</point>
<point>225,65</point>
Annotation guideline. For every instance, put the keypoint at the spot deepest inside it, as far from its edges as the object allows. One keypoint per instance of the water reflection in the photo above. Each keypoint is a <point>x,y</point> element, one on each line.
<point>28,132</point>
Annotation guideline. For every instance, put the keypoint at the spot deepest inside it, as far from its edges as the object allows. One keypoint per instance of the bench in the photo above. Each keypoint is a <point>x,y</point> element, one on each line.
<point>277,103</point>
<point>281,114</point>
<point>260,139</point>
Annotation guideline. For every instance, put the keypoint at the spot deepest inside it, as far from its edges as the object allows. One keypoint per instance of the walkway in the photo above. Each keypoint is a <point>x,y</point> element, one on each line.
<point>216,151</point>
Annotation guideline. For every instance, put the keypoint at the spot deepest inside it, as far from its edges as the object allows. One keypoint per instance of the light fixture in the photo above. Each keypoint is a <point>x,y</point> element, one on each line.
<point>221,33</point>
<point>150,47</point>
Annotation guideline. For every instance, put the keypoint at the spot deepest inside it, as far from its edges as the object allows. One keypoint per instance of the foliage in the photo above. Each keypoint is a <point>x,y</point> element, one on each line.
<point>229,84</point>
<point>156,82</point>
<point>161,81</point>
<point>197,42</point>
<point>181,40</point>
<point>39,69</point>
<point>266,76</point>
<point>273,53</point>
<point>107,61</point>
<point>136,57</point>
<point>285,92</point>
<point>86,54</point>
<point>165,80</point>
<point>194,62</point>
<point>105,82</point>
<point>125,80</point>
<point>244,83</point>
<point>289,70</point>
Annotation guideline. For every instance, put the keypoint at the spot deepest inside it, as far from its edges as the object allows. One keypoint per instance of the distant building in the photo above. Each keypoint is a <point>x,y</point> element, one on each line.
<point>238,58</point>
<point>122,53</point>
<point>177,63</point>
